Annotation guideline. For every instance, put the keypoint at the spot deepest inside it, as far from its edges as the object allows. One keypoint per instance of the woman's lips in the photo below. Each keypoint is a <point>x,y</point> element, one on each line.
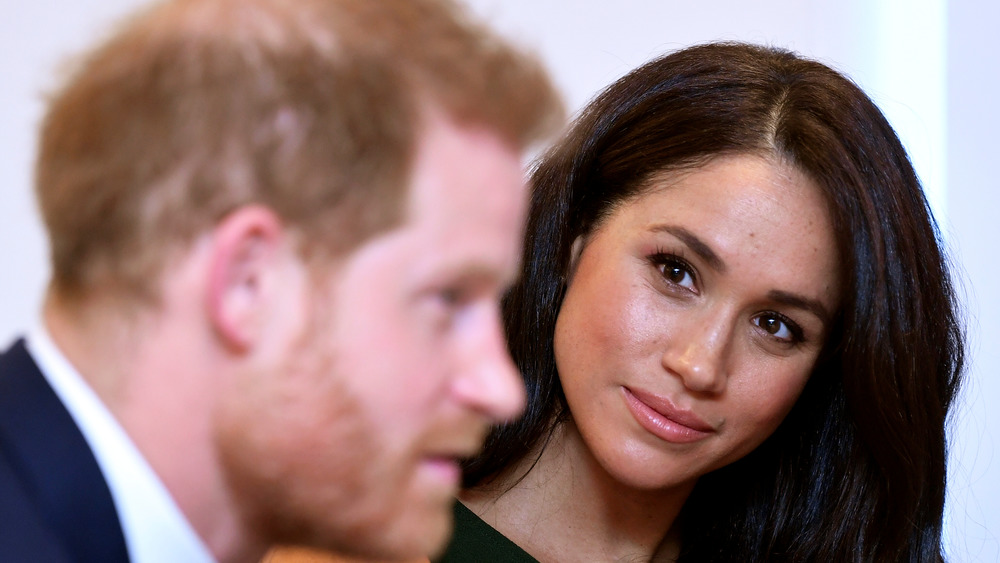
<point>664,420</point>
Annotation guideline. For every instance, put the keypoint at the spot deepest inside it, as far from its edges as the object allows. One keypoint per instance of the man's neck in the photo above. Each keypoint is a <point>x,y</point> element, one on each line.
<point>145,370</point>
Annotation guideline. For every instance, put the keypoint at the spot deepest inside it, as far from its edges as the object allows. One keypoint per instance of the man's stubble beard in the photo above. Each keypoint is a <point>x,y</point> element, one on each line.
<point>298,453</point>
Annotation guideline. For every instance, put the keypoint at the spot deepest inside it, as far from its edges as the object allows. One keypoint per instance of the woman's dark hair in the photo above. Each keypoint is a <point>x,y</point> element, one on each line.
<point>856,472</point>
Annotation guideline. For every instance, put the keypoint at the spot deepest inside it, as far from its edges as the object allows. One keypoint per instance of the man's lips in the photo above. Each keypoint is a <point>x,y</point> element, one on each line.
<point>660,417</point>
<point>445,468</point>
<point>447,455</point>
<point>457,455</point>
<point>446,463</point>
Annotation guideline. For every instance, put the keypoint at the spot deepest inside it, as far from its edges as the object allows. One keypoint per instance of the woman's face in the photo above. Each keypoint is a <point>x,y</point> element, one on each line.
<point>693,317</point>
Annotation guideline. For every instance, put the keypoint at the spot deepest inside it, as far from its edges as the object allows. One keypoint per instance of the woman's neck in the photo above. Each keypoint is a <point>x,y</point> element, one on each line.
<point>568,508</point>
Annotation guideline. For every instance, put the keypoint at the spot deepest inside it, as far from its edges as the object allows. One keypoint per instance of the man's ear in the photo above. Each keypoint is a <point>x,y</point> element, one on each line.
<point>249,249</point>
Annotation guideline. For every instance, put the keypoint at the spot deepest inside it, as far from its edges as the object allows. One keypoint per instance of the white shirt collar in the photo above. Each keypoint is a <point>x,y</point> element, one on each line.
<point>155,529</point>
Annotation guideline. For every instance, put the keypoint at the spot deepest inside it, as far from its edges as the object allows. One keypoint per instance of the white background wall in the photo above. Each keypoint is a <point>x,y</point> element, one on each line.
<point>932,65</point>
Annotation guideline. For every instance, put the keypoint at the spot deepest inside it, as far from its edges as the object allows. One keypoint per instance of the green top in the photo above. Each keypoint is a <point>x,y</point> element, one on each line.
<point>475,541</point>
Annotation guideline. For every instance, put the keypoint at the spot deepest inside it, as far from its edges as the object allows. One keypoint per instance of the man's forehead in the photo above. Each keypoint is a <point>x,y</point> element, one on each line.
<point>462,165</point>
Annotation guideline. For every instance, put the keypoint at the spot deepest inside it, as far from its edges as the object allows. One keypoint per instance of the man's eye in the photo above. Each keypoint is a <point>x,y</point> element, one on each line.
<point>450,296</point>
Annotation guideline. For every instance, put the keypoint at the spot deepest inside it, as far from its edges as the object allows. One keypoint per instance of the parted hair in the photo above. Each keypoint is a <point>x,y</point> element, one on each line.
<point>309,107</point>
<point>856,472</point>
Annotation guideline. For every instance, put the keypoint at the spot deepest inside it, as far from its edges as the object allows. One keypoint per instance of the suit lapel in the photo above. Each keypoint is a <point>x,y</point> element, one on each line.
<point>54,464</point>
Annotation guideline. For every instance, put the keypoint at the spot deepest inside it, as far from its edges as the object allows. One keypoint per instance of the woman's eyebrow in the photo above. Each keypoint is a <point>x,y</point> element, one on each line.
<point>706,253</point>
<point>698,246</point>
<point>793,300</point>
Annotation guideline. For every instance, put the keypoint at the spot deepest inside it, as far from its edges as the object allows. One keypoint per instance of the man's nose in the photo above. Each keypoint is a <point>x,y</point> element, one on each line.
<point>490,383</point>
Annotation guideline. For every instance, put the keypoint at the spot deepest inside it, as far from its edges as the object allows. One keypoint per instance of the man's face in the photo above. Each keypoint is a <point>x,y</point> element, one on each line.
<point>397,371</point>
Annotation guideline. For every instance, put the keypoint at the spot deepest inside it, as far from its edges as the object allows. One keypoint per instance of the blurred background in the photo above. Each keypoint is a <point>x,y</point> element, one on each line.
<point>933,66</point>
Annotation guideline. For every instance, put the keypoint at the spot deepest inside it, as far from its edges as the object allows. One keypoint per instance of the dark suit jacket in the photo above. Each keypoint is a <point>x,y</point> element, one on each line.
<point>54,503</point>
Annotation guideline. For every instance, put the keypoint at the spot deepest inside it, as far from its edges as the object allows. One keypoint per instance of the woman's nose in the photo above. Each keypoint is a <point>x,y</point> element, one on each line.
<point>696,352</point>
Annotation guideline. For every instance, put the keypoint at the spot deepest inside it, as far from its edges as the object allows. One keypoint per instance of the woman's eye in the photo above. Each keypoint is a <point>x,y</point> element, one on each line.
<point>778,327</point>
<point>677,273</point>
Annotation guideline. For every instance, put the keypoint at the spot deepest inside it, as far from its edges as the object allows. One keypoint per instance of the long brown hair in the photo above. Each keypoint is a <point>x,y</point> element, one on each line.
<point>856,472</point>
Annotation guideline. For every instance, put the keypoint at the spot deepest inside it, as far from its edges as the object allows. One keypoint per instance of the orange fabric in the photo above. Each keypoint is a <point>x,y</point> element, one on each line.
<point>303,555</point>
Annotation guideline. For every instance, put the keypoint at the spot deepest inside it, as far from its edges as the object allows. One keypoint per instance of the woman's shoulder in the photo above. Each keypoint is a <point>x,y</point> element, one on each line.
<point>476,541</point>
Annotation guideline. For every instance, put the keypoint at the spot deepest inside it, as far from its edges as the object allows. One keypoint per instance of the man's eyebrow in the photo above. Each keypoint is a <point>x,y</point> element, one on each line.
<point>698,246</point>
<point>800,302</point>
<point>475,274</point>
